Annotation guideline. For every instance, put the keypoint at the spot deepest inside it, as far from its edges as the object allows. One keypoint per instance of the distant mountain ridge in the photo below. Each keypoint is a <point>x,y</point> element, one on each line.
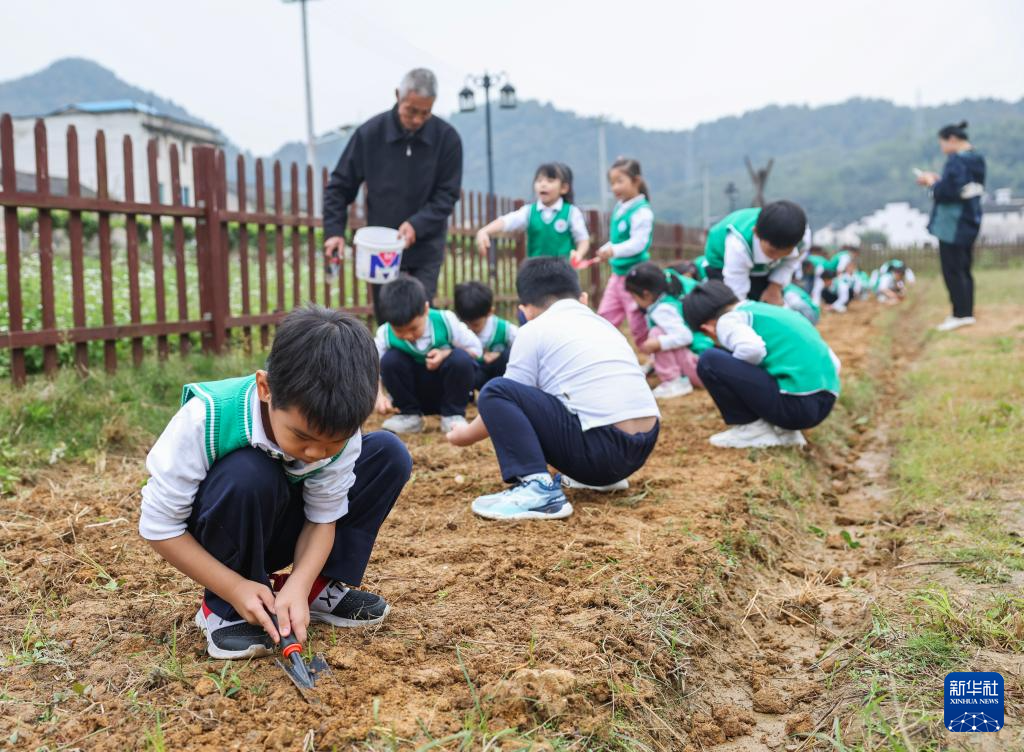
<point>840,161</point>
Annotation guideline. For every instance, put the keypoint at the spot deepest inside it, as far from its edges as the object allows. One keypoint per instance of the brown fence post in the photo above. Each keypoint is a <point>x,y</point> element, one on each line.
<point>594,225</point>
<point>11,229</point>
<point>213,294</point>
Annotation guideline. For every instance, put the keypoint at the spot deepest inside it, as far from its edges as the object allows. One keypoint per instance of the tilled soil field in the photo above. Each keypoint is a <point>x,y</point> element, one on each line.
<point>681,614</point>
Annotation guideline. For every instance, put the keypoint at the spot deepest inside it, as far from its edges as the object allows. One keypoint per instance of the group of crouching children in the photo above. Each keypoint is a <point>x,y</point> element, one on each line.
<point>271,470</point>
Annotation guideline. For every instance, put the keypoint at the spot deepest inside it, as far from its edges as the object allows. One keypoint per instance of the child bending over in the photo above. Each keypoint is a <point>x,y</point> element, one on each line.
<point>572,396</point>
<point>268,470</point>
<point>773,376</point>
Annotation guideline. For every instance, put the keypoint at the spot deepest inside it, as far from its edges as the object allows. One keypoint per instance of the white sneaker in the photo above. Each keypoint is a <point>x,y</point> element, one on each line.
<point>403,423</point>
<point>232,640</point>
<point>752,435</point>
<point>790,438</point>
<point>838,308</point>
<point>448,422</point>
<point>621,485</point>
<point>952,322</point>
<point>678,387</point>
<point>647,368</point>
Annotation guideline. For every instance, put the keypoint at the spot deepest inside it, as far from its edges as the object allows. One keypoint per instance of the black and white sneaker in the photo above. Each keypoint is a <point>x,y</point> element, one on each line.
<point>336,603</point>
<point>232,640</point>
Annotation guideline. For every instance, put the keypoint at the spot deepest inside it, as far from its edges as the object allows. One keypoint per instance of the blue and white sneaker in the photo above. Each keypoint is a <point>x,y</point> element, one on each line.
<point>530,500</point>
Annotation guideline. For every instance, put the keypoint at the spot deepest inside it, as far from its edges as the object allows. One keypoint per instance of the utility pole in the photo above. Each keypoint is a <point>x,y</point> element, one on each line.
<point>602,162</point>
<point>310,140</point>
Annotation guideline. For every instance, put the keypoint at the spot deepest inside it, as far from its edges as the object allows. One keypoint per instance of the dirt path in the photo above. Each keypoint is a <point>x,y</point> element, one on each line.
<point>694,611</point>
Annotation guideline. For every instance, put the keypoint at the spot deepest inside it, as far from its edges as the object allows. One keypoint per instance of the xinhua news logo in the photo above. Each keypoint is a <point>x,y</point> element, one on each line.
<point>974,701</point>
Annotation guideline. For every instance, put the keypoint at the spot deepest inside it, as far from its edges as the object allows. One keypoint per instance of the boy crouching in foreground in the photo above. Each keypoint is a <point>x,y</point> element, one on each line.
<point>258,472</point>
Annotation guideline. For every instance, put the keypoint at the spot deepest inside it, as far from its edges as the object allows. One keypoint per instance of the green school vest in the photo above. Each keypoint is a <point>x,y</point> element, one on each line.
<point>740,223</point>
<point>701,262</point>
<point>619,232</point>
<point>819,262</point>
<point>229,419</point>
<point>802,294</point>
<point>833,263</point>
<point>552,238</point>
<point>701,341</point>
<point>798,358</point>
<point>440,337</point>
<point>685,283</point>
<point>499,340</point>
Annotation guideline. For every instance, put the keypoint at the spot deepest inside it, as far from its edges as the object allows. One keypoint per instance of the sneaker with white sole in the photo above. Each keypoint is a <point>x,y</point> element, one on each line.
<point>678,387</point>
<point>333,602</point>
<point>530,500</point>
<point>232,640</point>
<point>749,436</point>
<point>790,438</point>
<point>952,322</point>
<point>403,423</point>
<point>448,422</point>
<point>621,485</point>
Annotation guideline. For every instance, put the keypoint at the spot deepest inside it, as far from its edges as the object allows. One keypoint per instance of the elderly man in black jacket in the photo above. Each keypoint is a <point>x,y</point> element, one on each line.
<point>412,166</point>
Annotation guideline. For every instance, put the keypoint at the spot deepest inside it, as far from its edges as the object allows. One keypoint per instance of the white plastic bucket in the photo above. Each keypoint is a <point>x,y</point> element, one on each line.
<point>378,254</point>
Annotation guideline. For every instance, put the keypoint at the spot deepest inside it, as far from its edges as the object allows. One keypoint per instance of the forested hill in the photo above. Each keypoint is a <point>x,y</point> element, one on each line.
<point>841,161</point>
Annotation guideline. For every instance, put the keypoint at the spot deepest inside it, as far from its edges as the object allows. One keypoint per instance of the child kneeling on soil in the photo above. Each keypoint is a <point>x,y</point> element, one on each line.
<point>427,359</point>
<point>774,374</point>
<point>474,305</point>
<point>573,396</point>
<point>258,472</point>
<point>659,294</point>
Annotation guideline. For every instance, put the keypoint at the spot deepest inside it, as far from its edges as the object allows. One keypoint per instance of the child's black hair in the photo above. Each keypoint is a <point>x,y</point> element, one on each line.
<point>401,301</point>
<point>324,363</point>
<point>473,300</point>
<point>558,171</point>
<point>686,268</point>
<point>632,169</point>
<point>648,277</point>
<point>829,273</point>
<point>958,130</point>
<point>707,301</point>
<point>816,250</point>
<point>781,223</point>
<point>544,279</point>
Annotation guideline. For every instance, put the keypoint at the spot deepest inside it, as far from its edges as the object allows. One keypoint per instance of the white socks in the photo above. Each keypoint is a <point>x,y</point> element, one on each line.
<point>543,477</point>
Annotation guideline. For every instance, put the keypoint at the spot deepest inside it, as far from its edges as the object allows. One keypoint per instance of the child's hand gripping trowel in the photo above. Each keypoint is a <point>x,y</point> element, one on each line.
<point>303,675</point>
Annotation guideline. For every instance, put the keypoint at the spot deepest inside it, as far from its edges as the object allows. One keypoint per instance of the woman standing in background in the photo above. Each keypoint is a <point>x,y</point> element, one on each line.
<point>956,218</point>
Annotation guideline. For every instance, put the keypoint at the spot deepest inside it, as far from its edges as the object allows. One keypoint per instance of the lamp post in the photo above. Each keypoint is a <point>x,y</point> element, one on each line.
<point>730,191</point>
<point>310,140</point>
<point>506,101</point>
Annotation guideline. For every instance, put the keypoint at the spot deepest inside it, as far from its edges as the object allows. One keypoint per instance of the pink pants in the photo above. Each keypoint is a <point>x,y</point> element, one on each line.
<point>617,304</point>
<point>671,364</point>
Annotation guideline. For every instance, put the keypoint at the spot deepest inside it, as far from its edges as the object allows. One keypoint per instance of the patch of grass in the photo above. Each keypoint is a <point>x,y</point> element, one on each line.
<point>228,682</point>
<point>79,418</point>
<point>997,621</point>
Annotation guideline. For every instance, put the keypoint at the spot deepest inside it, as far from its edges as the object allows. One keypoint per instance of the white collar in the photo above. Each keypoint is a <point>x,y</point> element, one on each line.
<point>555,207</point>
<point>260,440</point>
<point>636,199</point>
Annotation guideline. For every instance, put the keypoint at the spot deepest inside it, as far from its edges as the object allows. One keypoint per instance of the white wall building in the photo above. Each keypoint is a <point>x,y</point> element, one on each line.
<point>902,224</point>
<point>1002,218</point>
<point>116,119</point>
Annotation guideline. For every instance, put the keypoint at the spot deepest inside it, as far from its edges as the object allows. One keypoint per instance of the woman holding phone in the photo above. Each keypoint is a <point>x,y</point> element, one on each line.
<point>956,218</point>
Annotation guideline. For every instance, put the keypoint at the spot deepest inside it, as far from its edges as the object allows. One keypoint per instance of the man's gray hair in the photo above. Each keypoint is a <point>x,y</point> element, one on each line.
<point>419,81</point>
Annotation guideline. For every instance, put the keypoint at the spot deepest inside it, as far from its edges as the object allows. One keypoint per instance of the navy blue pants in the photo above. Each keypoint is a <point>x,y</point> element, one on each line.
<point>744,392</point>
<point>248,516</point>
<point>531,429</point>
<point>487,371</point>
<point>416,391</point>
<point>956,271</point>
<point>757,284</point>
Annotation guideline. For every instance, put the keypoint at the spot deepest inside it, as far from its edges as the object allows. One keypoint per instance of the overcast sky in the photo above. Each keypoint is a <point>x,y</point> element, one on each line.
<point>669,64</point>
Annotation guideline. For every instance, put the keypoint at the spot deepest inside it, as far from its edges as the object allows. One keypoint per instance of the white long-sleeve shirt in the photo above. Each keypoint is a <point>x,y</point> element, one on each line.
<point>487,333</point>
<point>519,219</point>
<point>675,333</point>
<point>736,335</point>
<point>462,337</point>
<point>738,262</point>
<point>178,463</point>
<point>579,357</point>
<point>641,225</point>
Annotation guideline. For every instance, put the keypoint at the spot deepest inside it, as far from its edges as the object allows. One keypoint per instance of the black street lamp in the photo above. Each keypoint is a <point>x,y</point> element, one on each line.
<point>467,103</point>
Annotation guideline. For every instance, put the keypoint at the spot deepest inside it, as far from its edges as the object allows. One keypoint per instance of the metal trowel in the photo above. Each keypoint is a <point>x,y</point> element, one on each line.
<point>303,675</point>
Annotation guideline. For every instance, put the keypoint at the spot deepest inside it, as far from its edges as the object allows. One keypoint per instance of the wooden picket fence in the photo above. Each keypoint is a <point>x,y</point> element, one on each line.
<point>201,271</point>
